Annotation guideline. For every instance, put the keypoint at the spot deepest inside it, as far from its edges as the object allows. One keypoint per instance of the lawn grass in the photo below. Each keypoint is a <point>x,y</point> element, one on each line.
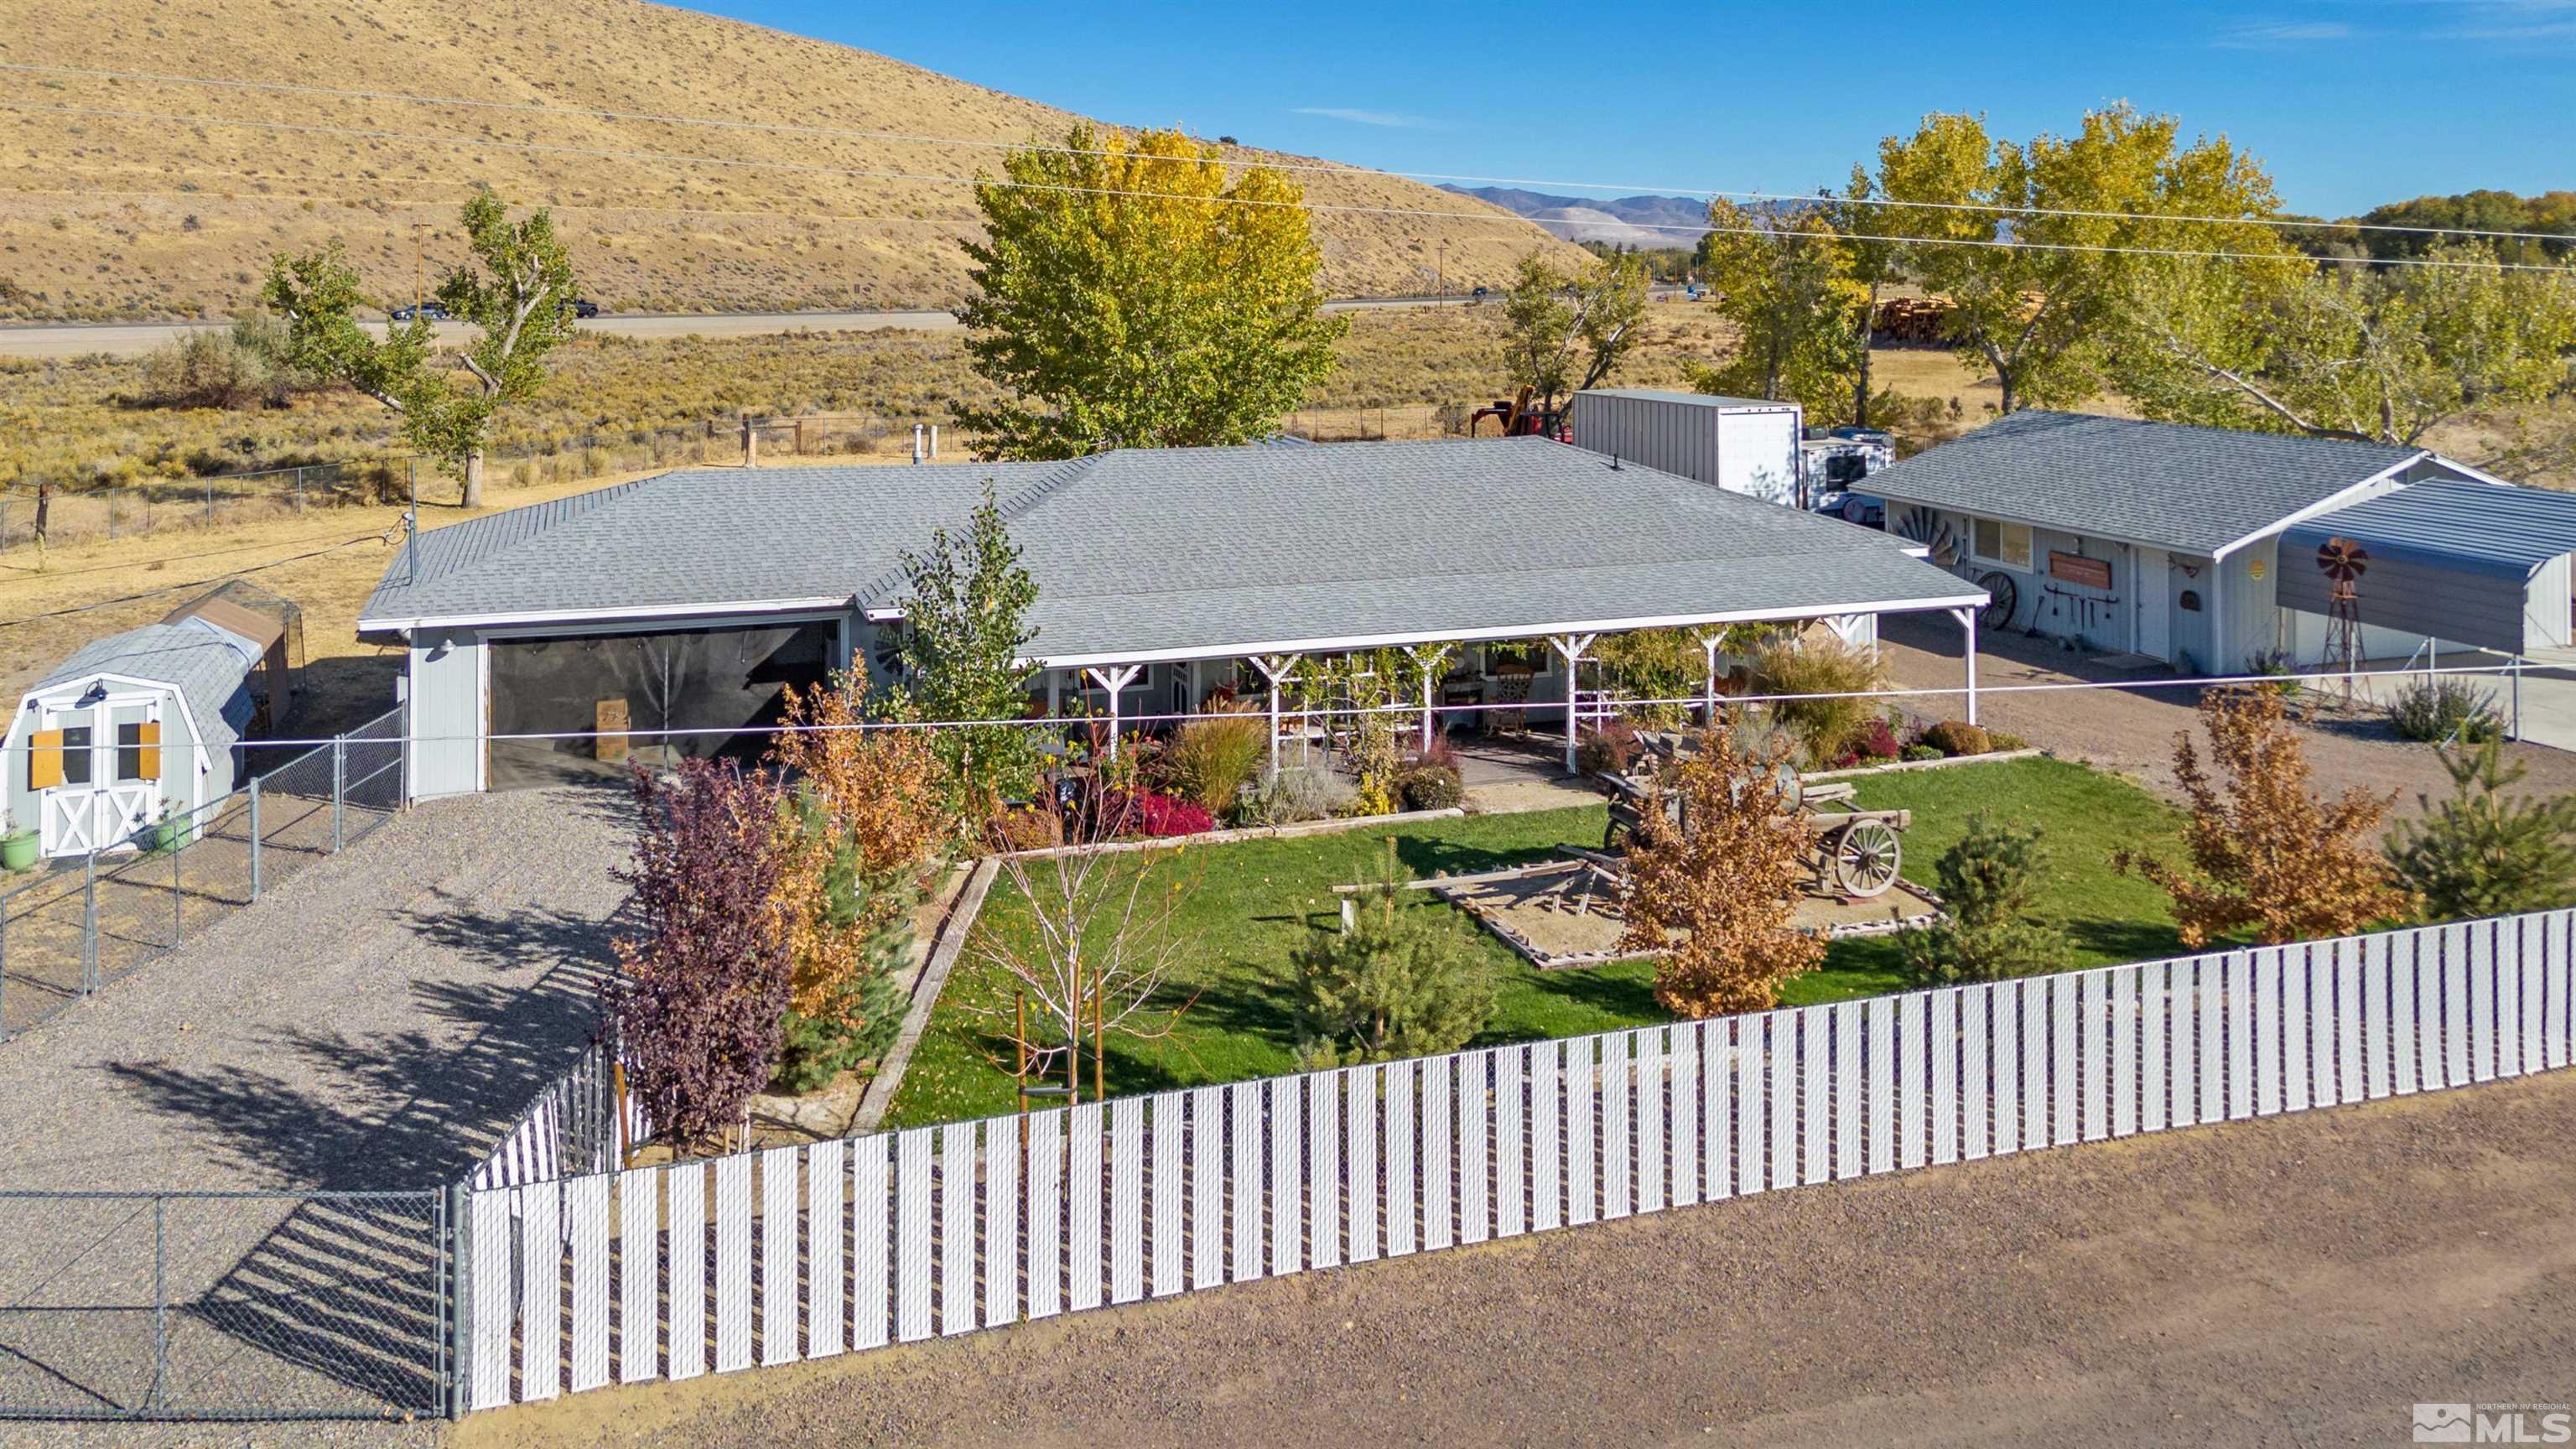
<point>1252,902</point>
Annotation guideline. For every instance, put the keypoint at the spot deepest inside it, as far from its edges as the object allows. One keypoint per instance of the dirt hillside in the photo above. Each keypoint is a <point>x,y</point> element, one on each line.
<point>147,197</point>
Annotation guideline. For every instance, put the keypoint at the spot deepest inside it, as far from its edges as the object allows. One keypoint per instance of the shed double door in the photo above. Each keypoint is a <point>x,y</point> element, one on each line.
<point>94,795</point>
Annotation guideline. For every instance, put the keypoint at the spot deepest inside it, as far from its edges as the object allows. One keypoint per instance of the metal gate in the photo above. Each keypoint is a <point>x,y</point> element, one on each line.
<point>212,1305</point>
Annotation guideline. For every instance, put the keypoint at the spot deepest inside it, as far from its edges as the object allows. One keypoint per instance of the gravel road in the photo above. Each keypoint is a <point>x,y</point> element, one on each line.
<point>2298,1280</point>
<point>2132,731</point>
<point>374,1023</point>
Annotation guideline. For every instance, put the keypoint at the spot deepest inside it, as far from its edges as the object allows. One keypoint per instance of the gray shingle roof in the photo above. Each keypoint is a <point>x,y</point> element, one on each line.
<point>2166,484</point>
<point>211,674</point>
<point>2484,527</point>
<point>1176,550</point>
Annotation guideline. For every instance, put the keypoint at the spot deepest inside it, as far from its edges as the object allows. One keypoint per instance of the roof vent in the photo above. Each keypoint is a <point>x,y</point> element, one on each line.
<point>1614,462</point>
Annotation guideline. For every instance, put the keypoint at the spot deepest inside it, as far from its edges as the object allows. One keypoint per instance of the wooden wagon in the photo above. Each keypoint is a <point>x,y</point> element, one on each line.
<point>1850,852</point>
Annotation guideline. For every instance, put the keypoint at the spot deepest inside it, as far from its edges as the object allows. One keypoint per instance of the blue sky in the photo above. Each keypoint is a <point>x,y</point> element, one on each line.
<point>2351,102</point>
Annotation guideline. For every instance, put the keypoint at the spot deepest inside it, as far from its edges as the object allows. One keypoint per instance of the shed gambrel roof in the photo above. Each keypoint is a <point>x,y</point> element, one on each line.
<point>211,674</point>
<point>1190,551</point>
<point>2197,490</point>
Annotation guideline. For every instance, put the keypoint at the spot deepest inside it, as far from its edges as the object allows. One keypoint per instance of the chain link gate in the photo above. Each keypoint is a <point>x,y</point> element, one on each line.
<point>224,1305</point>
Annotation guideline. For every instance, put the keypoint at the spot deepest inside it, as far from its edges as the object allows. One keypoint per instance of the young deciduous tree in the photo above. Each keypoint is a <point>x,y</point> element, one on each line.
<point>965,641</point>
<point>1101,940</point>
<point>1563,333</point>
<point>1397,982</point>
<point>1724,883</point>
<point>2265,854</point>
<point>518,301</point>
<point>2483,852</point>
<point>1789,289</point>
<point>705,977</point>
<point>1131,292</point>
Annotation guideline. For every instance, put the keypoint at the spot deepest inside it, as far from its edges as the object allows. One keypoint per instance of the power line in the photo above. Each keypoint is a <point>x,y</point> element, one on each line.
<point>1494,218</point>
<point>385,537</point>
<point>1323,167</point>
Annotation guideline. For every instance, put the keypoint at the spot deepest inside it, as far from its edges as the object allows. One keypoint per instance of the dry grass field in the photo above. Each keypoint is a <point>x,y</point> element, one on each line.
<point>147,198</point>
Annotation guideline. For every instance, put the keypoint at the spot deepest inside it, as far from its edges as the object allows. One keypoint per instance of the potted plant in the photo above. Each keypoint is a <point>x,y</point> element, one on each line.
<point>165,831</point>
<point>17,846</point>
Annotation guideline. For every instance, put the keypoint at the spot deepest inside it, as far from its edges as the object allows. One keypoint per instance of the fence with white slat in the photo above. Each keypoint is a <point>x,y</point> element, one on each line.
<point>803,1252</point>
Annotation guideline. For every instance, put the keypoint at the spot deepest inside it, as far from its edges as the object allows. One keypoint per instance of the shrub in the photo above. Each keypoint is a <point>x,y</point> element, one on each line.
<point>207,370</point>
<point>1431,787</point>
<point>2276,664</point>
<point>1958,737</point>
<point>1825,728</point>
<point>1029,828</point>
<point>1302,792</point>
<point>2431,710</point>
<point>1155,816</point>
<point>1988,882</point>
<point>705,976</point>
<point>2003,740</point>
<point>1922,752</point>
<point>1875,741</point>
<point>1399,982</point>
<point>1208,760</point>
<point>848,931</point>
<point>1607,750</point>
<point>1725,884</point>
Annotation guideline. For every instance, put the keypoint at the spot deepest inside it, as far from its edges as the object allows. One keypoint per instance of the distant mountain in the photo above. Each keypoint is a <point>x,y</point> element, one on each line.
<point>1645,221</point>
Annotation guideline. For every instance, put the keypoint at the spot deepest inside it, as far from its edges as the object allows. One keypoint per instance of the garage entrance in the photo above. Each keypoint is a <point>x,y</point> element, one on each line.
<point>584,689</point>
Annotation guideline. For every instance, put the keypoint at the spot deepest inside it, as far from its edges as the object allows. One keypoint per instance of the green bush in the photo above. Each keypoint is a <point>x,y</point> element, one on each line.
<point>1988,883</point>
<point>1826,729</point>
<point>1607,750</point>
<point>2483,852</point>
<point>2004,740</point>
<point>1208,761</point>
<point>1958,737</point>
<point>1431,787</point>
<point>2430,710</point>
<point>1919,752</point>
<point>1397,983</point>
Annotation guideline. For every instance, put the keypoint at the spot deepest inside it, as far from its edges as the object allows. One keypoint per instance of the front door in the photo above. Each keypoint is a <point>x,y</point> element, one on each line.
<point>102,796</point>
<point>2154,579</point>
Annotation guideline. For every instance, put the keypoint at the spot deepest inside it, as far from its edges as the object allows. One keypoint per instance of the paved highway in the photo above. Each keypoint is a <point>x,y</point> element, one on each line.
<point>128,339</point>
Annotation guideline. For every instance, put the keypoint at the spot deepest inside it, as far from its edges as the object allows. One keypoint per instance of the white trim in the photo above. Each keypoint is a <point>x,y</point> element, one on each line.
<point>178,696</point>
<point>666,624</point>
<point>1335,644</point>
<point>541,619</point>
<point>2327,504</point>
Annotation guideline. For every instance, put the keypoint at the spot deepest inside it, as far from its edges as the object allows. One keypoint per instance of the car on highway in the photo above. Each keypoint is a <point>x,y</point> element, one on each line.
<point>581,307</point>
<point>429,310</point>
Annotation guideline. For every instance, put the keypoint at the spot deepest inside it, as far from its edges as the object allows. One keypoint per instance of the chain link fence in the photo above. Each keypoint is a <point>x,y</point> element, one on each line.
<point>87,920</point>
<point>211,1305</point>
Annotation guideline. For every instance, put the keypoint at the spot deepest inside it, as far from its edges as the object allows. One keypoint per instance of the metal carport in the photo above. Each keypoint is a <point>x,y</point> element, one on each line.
<point>2483,564</point>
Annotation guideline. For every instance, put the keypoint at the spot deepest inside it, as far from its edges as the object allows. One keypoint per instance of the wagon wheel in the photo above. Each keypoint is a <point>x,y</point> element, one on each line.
<point>1867,854</point>
<point>2003,598</point>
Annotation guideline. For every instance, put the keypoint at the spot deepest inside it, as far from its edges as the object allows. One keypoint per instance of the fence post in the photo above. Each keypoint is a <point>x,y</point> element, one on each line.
<point>299,490</point>
<point>339,779</point>
<point>254,837</point>
<point>210,503</point>
<point>160,1301</point>
<point>89,923</point>
<point>4,968</point>
<point>457,1344</point>
<point>178,906</point>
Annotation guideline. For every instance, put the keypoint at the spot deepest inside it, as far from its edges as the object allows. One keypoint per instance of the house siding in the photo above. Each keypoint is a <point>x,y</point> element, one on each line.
<point>445,753</point>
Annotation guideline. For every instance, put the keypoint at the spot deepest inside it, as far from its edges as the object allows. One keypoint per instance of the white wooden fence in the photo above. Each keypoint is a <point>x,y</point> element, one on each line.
<point>571,1128</point>
<point>803,1252</point>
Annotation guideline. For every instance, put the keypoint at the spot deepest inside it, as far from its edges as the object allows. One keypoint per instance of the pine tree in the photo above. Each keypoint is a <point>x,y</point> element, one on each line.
<point>1396,983</point>
<point>1989,884</point>
<point>2482,853</point>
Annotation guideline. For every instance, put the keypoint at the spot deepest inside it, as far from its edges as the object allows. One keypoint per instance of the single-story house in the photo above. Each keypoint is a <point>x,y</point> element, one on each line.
<point>687,600</point>
<point>146,725</point>
<point>2200,546</point>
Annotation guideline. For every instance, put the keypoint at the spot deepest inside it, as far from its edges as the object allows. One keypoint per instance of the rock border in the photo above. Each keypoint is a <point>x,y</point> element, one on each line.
<point>1902,766</point>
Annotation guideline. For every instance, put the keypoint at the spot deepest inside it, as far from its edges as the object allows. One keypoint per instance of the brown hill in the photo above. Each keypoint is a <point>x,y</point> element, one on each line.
<point>131,197</point>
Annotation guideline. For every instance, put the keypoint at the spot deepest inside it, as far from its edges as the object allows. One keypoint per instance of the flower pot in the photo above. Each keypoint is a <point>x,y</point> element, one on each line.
<point>18,851</point>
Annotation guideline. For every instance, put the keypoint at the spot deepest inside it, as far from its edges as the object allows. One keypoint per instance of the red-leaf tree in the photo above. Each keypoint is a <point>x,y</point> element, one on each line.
<point>705,979</point>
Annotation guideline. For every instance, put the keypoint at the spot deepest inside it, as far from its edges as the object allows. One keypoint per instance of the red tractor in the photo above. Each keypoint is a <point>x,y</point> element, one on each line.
<point>1520,420</point>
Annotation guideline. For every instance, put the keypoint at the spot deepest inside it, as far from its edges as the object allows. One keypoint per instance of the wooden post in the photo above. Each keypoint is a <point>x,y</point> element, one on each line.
<point>750,443</point>
<point>1275,668</point>
<point>1114,681</point>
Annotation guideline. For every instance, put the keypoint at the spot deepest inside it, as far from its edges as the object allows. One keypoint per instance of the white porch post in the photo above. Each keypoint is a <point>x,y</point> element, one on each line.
<point>1114,680</point>
<point>1968,627</point>
<point>1708,645</point>
<point>1275,668</point>
<point>1570,647</point>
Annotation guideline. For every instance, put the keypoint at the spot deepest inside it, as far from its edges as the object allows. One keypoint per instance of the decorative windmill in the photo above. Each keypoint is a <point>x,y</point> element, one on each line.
<point>1928,527</point>
<point>2343,562</point>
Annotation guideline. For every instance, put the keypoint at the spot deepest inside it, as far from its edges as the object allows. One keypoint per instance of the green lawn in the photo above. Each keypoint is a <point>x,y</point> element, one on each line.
<point>1254,900</point>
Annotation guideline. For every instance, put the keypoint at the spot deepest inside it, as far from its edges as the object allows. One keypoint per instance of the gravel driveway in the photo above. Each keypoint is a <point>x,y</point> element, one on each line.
<point>2132,731</point>
<point>2296,1280</point>
<point>374,1023</point>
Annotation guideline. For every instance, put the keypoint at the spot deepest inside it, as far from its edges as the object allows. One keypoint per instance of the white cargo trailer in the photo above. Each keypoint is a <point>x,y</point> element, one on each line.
<point>1743,445</point>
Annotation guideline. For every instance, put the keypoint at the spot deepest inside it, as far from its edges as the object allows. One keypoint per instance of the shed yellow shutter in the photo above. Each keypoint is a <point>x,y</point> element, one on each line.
<point>147,736</point>
<point>44,759</point>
